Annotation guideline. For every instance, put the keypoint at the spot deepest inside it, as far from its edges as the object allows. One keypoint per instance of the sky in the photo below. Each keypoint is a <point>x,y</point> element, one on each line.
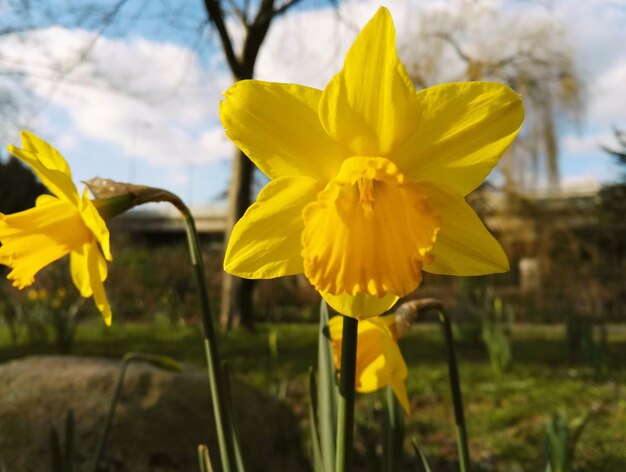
<point>143,104</point>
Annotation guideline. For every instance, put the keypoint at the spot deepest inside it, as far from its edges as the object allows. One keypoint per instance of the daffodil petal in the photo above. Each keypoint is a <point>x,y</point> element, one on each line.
<point>374,375</point>
<point>57,181</point>
<point>26,262</point>
<point>96,224</point>
<point>276,125</point>
<point>361,305</point>
<point>335,328</point>
<point>97,275</point>
<point>45,199</point>
<point>369,337</point>
<point>265,242</point>
<point>464,128</point>
<point>370,107</point>
<point>399,389</point>
<point>464,246</point>
<point>79,271</point>
<point>379,361</point>
<point>34,238</point>
<point>89,270</point>
<point>46,153</point>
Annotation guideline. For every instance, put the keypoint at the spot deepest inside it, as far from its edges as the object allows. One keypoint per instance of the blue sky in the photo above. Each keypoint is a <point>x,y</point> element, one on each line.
<point>143,107</point>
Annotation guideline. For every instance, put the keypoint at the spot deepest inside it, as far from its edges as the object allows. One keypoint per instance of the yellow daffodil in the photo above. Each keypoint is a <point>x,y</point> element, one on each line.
<point>368,176</point>
<point>59,224</point>
<point>379,361</point>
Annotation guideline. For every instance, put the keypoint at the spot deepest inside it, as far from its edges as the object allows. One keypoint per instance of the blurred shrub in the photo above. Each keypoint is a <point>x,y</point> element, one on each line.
<point>586,340</point>
<point>147,283</point>
<point>484,319</point>
<point>50,310</point>
<point>562,435</point>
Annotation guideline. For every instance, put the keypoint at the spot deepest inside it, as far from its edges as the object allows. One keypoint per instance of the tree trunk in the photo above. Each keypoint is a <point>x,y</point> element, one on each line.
<point>236,305</point>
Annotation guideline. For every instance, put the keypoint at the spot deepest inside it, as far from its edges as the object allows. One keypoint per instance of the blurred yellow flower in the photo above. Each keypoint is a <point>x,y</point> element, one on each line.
<point>61,293</point>
<point>59,224</point>
<point>368,176</point>
<point>379,361</point>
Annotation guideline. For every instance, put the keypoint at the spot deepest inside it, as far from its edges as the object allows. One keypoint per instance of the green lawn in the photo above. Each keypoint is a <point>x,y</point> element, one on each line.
<point>506,416</point>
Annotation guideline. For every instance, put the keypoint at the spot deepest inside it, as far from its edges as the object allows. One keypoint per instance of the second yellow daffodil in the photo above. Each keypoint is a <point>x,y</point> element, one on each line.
<point>368,176</point>
<point>379,361</point>
<point>59,224</point>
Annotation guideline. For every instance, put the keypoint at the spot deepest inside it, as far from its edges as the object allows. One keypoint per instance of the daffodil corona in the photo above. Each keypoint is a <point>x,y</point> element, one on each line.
<point>379,362</point>
<point>59,224</point>
<point>368,176</point>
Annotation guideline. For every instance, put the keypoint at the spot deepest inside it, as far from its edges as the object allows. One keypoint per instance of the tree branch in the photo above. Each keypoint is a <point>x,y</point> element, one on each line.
<point>255,34</point>
<point>285,6</point>
<point>214,12</point>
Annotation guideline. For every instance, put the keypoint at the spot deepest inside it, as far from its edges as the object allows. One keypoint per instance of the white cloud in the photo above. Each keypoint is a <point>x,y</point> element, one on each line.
<point>583,145</point>
<point>151,100</point>
<point>608,95</point>
<point>588,180</point>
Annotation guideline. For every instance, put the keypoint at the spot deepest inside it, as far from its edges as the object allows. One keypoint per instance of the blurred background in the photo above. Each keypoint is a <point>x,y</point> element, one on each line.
<point>130,90</point>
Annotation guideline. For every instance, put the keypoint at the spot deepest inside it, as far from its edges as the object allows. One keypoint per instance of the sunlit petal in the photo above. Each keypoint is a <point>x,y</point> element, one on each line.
<point>46,153</point>
<point>379,361</point>
<point>80,270</point>
<point>265,243</point>
<point>36,237</point>
<point>370,107</point>
<point>463,130</point>
<point>49,166</point>
<point>96,224</point>
<point>97,274</point>
<point>288,138</point>
<point>464,246</point>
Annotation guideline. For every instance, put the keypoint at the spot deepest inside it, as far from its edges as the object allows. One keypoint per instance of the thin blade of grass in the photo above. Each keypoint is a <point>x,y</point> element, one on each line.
<point>318,464</point>
<point>422,458</point>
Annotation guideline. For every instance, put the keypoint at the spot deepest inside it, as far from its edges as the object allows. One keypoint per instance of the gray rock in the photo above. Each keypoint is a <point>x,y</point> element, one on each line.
<point>159,421</point>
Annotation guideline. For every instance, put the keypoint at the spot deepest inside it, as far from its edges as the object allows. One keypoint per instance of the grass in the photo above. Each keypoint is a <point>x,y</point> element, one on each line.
<point>506,416</point>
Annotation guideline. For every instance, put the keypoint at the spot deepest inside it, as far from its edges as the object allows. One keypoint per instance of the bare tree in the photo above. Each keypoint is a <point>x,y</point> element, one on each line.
<point>236,305</point>
<point>531,54</point>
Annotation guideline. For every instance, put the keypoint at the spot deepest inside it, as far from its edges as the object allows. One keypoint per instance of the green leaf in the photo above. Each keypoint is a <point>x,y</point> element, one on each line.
<point>422,458</point>
<point>318,463</point>
<point>233,426</point>
<point>393,432</point>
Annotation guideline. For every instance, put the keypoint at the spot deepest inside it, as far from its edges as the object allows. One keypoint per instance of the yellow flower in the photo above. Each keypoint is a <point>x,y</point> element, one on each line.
<point>379,361</point>
<point>368,176</point>
<point>61,223</point>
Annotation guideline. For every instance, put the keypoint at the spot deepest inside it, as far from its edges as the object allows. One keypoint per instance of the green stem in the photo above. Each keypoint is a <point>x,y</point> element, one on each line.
<point>220,412</point>
<point>109,418</point>
<point>345,407</point>
<point>159,361</point>
<point>457,399</point>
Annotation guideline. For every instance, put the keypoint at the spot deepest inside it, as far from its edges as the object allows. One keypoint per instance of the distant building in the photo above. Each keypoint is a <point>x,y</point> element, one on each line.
<point>162,225</point>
